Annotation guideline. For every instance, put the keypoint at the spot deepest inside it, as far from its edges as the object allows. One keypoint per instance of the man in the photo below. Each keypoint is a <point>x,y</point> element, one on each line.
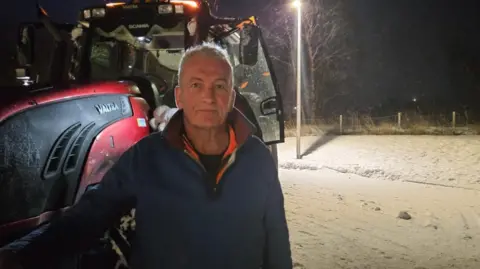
<point>205,190</point>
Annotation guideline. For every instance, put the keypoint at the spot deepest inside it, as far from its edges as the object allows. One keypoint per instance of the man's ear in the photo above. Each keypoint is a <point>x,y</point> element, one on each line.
<point>178,97</point>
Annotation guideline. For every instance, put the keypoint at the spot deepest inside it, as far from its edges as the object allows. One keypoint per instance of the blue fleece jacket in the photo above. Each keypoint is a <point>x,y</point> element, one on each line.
<point>180,221</point>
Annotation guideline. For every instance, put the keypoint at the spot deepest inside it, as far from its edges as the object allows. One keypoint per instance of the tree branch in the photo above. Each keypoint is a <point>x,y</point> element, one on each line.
<point>324,36</point>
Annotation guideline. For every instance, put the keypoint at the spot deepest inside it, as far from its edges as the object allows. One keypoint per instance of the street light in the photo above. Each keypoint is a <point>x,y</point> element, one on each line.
<point>298,5</point>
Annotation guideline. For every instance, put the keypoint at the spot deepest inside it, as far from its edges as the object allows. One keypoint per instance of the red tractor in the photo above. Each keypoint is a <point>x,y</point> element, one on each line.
<point>88,90</point>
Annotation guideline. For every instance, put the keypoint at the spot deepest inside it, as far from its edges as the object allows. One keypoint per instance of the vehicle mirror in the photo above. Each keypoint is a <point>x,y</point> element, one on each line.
<point>249,37</point>
<point>269,106</point>
<point>25,45</point>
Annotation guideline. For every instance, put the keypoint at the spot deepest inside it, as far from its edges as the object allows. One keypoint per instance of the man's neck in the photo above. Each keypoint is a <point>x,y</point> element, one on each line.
<point>211,141</point>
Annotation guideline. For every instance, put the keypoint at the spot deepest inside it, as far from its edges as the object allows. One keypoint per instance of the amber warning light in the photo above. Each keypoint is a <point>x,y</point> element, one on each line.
<point>193,4</point>
<point>115,4</point>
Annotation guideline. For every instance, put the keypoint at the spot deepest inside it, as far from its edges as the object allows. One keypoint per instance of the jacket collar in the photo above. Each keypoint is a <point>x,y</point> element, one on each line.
<point>242,127</point>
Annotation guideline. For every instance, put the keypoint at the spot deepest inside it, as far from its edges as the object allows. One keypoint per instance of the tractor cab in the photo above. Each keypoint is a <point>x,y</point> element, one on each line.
<point>144,42</point>
<point>133,40</point>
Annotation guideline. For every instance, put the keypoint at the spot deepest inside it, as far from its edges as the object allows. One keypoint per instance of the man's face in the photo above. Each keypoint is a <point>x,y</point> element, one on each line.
<point>205,92</point>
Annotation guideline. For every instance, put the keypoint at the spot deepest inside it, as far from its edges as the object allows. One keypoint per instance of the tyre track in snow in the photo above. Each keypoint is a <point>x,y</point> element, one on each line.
<point>345,221</point>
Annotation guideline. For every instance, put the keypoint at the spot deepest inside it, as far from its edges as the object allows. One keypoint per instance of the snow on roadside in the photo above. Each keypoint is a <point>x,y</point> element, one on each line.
<point>441,160</point>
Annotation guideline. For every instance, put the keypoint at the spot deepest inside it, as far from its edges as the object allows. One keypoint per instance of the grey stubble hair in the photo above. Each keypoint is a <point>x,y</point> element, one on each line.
<point>208,49</point>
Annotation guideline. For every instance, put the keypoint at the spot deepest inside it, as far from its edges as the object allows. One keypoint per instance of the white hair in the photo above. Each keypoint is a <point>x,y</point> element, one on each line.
<point>208,49</point>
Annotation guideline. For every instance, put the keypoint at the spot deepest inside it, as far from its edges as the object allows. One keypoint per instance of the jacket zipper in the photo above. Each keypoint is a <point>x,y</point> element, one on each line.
<point>231,160</point>
<point>229,163</point>
<point>195,160</point>
<point>199,164</point>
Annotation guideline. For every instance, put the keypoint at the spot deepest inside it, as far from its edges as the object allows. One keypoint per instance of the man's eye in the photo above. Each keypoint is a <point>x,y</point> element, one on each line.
<point>220,87</point>
<point>195,85</point>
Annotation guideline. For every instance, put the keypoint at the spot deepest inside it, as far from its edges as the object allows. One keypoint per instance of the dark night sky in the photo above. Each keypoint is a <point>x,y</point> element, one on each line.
<point>403,46</point>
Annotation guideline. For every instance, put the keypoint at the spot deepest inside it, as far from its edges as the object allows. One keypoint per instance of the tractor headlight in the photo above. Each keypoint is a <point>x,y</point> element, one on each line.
<point>98,12</point>
<point>87,14</point>
<point>179,9</point>
<point>165,9</point>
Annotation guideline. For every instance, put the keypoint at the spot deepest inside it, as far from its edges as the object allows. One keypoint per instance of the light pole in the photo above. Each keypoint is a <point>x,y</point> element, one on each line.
<point>298,5</point>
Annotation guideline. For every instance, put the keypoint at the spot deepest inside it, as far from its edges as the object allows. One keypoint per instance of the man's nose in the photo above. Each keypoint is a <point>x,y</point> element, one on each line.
<point>208,94</point>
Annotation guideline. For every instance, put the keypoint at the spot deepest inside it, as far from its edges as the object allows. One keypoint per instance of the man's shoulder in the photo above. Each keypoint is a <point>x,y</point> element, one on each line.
<point>152,144</point>
<point>154,137</point>
<point>256,143</point>
<point>256,147</point>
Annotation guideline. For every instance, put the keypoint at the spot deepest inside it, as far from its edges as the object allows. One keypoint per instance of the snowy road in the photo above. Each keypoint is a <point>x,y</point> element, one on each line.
<point>339,220</point>
<point>343,200</point>
<point>442,160</point>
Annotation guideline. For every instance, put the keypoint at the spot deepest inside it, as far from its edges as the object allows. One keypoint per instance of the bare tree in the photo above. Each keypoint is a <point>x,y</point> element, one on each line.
<point>325,47</point>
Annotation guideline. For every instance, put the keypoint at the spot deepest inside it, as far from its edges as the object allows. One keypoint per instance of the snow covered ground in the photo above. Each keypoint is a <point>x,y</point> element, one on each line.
<point>342,216</point>
<point>443,160</point>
